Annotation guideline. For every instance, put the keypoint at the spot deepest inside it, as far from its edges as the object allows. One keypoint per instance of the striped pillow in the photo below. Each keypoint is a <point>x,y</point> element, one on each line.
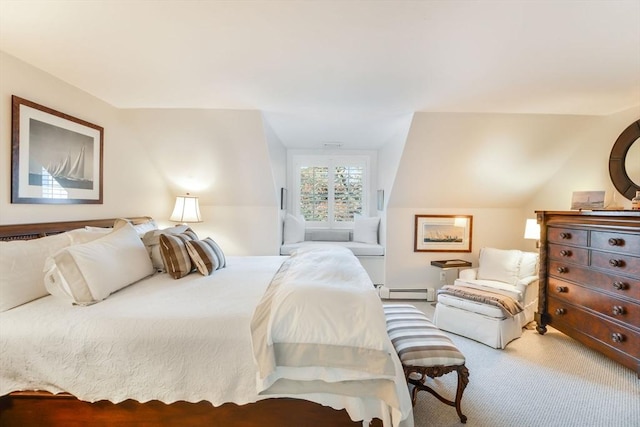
<point>175,256</point>
<point>417,341</point>
<point>206,255</point>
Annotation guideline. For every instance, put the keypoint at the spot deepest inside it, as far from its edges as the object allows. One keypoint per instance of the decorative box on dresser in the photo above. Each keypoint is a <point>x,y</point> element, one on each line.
<point>590,280</point>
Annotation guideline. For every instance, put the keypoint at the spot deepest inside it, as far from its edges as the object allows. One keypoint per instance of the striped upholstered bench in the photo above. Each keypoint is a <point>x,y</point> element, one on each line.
<point>425,351</point>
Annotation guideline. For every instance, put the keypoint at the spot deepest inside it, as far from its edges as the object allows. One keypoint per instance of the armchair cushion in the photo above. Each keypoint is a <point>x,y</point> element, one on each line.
<point>499,264</point>
<point>528,265</point>
<point>468,274</point>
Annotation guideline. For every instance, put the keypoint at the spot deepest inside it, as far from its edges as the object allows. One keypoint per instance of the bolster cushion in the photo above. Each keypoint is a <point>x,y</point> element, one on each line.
<point>417,341</point>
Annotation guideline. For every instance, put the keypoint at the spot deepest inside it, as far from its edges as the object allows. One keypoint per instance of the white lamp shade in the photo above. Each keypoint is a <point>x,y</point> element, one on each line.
<point>532,230</point>
<point>187,209</point>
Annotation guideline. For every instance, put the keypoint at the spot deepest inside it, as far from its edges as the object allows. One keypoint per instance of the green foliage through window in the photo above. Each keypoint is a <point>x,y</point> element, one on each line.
<point>331,194</point>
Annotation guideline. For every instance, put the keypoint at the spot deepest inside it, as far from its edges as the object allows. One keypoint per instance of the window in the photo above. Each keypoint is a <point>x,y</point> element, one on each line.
<point>331,190</point>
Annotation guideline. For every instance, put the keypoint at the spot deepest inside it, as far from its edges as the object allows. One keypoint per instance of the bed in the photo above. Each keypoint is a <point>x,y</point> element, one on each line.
<point>211,353</point>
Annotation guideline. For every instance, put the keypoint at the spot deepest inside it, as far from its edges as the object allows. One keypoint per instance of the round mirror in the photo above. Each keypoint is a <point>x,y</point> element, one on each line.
<point>632,162</point>
<point>624,162</point>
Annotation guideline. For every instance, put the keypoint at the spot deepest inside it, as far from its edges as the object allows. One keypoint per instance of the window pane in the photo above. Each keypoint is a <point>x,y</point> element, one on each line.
<point>314,193</point>
<point>348,189</point>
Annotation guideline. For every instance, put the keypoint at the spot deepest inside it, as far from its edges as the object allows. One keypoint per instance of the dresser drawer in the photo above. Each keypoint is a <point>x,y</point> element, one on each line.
<point>618,263</point>
<point>567,236</point>
<point>614,308</point>
<point>612,334</point>
<point>569,254</point>
<point>617,242</point>
<point>621,286</point>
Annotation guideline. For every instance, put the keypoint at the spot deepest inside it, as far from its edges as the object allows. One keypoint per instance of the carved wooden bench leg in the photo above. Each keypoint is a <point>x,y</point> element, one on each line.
<point>438,371</point>
<point>425,351</point>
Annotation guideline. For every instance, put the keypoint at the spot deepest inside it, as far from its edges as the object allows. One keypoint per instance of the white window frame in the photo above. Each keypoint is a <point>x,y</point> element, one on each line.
<point>330,161</point>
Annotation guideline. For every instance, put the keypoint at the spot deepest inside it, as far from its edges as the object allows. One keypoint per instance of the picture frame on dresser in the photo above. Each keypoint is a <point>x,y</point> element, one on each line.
<point>55,158</point>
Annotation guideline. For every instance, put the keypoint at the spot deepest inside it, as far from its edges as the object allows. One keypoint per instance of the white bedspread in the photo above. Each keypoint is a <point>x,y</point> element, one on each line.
<point>321,327</point>
<point>159,339</point>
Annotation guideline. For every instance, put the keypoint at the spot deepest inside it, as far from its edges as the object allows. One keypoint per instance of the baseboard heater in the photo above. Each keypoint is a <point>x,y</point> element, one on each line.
<point>428,294</point>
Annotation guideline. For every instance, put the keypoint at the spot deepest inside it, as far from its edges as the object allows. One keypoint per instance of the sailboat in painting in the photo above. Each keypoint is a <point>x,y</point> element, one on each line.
<point>69,173</point>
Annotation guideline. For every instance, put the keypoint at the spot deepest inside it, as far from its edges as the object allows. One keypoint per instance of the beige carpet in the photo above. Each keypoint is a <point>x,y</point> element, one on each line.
<point>549,380</point>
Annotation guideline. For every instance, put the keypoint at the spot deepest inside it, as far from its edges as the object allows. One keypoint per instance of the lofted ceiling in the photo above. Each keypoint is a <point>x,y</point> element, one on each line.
<point>351,72</point>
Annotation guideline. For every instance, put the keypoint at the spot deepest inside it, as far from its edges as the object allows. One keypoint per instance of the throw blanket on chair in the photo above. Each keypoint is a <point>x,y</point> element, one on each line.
<point>508,305</point>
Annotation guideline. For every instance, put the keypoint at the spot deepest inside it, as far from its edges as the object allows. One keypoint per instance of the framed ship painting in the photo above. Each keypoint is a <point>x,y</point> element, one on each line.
<point>55,158</point>
<point>443,233</point>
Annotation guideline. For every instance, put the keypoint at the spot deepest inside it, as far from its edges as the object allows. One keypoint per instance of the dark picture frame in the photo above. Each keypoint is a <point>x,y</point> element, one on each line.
<point>55,158</point>
<point>443,233</point>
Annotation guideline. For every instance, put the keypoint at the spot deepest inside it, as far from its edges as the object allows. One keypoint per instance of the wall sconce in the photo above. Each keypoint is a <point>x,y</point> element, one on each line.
<point>532,231</point>
<point>187,209</point>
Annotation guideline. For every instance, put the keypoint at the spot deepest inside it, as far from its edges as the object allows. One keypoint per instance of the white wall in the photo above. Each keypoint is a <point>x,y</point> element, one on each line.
<point>221,156</point>
<point>389,157</point>
<point>588,167</point>
<point>278,157</point>
<point>152,155</point>
<point>499,168</point>
<point>132,184</point>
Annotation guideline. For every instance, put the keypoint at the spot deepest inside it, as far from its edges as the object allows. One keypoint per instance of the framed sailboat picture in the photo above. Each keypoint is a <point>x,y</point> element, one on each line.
<point>443,233</point>
<point>56,158</point>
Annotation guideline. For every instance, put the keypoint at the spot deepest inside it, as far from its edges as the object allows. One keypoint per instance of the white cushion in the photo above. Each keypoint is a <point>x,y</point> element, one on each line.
<point>141,229</point>
<point>21,263</point>
<point>499,264</point>
<point>471,306</point>
<point>358,248</point>
<point>87,234</point>
<point>365,229</point>
<point>528,265</point>
<point>90,272</point>
<point>293,229</point>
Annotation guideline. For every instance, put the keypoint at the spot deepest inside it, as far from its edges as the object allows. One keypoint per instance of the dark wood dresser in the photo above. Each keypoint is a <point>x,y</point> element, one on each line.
<point>590,280</point>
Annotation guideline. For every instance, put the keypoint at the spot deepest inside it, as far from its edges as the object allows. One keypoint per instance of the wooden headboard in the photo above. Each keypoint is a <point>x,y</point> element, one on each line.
<point>42,229</point>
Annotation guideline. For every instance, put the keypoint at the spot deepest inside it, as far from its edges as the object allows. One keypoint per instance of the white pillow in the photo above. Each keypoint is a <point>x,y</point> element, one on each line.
<point>528,265</point>
<point>499,264</point>
<point>87,234</point>
<point>90,272</point>
<point>141,229</point>
<point>365,230</point>
<point>293,229</point>
<point>21,263</point>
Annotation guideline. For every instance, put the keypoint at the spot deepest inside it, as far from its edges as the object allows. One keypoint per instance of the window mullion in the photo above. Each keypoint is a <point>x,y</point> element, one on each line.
<point>331,185</point>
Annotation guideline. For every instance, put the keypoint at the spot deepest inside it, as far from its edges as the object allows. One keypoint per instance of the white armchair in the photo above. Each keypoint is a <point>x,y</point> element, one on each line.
<point>509,273</point>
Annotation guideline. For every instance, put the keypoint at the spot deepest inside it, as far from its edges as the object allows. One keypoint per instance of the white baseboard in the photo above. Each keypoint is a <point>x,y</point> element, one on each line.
<point>428,294</point>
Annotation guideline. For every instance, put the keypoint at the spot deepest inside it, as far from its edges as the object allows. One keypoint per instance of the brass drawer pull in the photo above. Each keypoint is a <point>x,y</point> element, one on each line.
<point>565,252</point>
<point>616,242</point>
<point>562,270</point>
<point>565,235</point>
<point>620,286</point>
<point>560,311</point>
<point>561,289</point>
<point>617,337</point>
<point>617,310</point>
<point>616,263</point>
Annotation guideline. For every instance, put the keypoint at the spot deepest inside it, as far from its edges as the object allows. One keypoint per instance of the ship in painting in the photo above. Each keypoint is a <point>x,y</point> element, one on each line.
<point>437,236</point>
<point>69,173</point>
